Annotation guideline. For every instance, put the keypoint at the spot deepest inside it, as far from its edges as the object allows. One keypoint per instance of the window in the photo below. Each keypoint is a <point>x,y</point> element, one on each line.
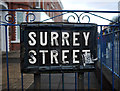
<point>20,17</point>
<point>53,16</point>
<point>48,9</point>
<point>52,6</point>
<point>43,5</point>
<point>37,4</point>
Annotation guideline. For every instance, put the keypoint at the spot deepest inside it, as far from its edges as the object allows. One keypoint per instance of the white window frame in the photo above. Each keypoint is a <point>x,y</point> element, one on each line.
<point>24,17</point>
<point>48,8</point>
<point>53,16</point>
<point>38,4</point>
<point>43,5</point>
<point>52,6</point>
<point>51,13</point>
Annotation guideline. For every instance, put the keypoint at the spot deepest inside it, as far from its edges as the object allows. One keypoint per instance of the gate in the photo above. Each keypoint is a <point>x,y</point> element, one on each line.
<point>108,46</point>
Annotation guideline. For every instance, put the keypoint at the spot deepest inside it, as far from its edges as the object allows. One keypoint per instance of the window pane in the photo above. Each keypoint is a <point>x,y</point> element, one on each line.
<point>19,20</point>
<point>18,33</point>
<point>19,17</point>
<point>37,4</point>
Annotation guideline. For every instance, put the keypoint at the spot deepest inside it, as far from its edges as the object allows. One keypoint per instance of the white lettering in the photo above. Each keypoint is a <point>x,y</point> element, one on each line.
<point>75,56</point>
<point>85,51</point>
<point>74,39</point>
<point>33,59</point>
<point>65,37</point>
<point>31,35</point>
<point>45,39</point>
<point>43,54</point>
<point>86,36</point>
<point>54,37</point>
<point>64,57</point>
<point>54,55</point>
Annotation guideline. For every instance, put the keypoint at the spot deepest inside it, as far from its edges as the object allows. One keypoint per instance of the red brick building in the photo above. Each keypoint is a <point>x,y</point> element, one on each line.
<point>14,31</point>
<point>3,5</point>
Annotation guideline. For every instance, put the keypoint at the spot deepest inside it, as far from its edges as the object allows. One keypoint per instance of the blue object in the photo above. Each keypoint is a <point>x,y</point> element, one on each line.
<point>7,57</point>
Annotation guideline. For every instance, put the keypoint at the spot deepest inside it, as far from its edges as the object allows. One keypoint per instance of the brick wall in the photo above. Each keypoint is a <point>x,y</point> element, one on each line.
<point>12,29</point>
<point>15,46</point>
<point>30,5</point>
<point>53,6</point>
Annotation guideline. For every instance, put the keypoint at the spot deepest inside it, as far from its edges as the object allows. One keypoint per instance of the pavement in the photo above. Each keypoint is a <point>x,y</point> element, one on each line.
<point>14,72</point>
<point>69,81</point>
<point>15,77</point>
<point>28,79</point>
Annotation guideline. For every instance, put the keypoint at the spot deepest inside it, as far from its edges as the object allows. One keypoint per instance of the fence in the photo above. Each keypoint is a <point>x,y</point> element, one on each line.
<point>108,43</point>
<point>108,50</point>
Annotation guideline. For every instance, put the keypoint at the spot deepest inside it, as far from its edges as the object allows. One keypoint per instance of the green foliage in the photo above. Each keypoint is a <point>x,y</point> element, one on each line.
<point>115,19</point>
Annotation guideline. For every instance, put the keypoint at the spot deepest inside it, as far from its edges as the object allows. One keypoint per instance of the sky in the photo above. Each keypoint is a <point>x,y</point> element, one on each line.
<point>109,5</point>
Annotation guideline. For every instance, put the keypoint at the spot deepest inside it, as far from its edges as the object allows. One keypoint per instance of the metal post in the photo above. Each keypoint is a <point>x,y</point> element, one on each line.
<point>101,59</point>
<point>113,62</point>
<point>81,81</point>
<point>62,81</point>
<point>75,81</point>
<point>7,57</point>
<point>119,50</point>
<point>37,81</point>
<point>22,81</point>
<point>105,48</point>
<point>119,54</point>
<point>49,81</point>
<point>88,81</point>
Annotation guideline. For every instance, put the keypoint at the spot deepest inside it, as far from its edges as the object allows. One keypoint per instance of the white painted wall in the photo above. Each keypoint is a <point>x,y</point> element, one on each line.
<point>40,16</point>
<point>44,16</point>
<point>37,15</point>
<point>2,28</point>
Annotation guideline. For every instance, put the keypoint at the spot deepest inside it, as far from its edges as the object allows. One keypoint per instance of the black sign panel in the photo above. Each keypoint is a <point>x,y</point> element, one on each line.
<point>58,47</point>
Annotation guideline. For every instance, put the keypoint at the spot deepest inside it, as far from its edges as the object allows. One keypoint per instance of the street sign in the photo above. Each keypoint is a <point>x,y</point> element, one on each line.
<point>58,47</point>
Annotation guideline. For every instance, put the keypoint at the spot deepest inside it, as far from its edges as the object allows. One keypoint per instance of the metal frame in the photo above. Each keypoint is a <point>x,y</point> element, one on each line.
<point>117,24</point>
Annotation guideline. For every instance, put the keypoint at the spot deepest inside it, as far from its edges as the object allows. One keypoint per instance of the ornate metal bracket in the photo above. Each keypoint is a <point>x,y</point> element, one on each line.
<point>10,18</point>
